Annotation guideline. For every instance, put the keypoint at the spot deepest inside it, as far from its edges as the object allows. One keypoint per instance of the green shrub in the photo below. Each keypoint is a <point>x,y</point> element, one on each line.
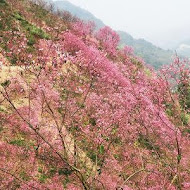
<point>65,171</point>
<point>42,178</point>
<point>92,155</point>
<point>146,143</point>
<point>3,2</point>
<point>184,118</point>
<point>24,176</point>
<point>18,142</point>
<point>32,31</point>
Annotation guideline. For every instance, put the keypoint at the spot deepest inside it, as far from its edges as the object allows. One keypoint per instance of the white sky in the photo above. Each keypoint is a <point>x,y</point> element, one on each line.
<point>162,22</point>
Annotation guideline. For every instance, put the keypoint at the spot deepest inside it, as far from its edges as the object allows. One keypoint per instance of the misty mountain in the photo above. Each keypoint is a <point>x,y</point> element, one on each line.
<point>152,54</point>
<point>183,48</point>
<point>76,11</point>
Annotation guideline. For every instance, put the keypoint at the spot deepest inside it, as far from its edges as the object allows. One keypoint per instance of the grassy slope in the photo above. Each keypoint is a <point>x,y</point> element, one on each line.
<point>29,24</point>
<point>28,19</point>
<point>32,21</point>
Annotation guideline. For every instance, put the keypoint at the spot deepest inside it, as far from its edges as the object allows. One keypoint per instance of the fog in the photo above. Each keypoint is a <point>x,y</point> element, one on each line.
<point>165,23</point>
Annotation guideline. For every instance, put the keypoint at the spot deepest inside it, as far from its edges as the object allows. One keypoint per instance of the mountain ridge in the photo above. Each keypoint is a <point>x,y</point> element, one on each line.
<point>153,55</point>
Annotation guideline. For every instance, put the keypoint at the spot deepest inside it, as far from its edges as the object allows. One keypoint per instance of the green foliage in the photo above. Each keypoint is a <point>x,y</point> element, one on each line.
<point>42,178</point>
<point>31,40</point>
<point>18,16</point>
<point>184,118</point>
<point>6,19</point>
<point>169,108</point>
<point>1,125</point>
<point>32,31</point>
<point>101,149</point>
<point>1,25</point>
<point>114,130</point>
<point>6,83</point>
<point>39,169</point>
<point>178,158</point>
<point>81,105</point>
<point>148,72</point>
<point>186,131</point>
<point>24,176</point>
<point>37,32</point>
<point>184,95</point>
<point>18,142</point>
<point>146,143</point>
<point>52,171</point>
<point>92,121</point>
<point>1,128</point>
<point>136,62</point>
<point>3,3</point>
<point>13,60</point>
<point>92,155</point>
<point>117,141</point>
<point>116,156</point>
<point>22,142</point>
<point>65,171</point>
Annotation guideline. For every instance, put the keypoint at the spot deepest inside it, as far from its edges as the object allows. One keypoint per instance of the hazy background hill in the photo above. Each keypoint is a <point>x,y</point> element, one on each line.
<point>152,54</point>
<point>77,11</point>
<point>183,48</point>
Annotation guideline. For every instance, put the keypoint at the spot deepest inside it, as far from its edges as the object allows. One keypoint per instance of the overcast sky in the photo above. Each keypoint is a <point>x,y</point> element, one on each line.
<point>160,21</point>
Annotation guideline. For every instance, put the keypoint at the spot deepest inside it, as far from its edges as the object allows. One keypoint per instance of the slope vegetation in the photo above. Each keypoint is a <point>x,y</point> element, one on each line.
<point>77,112</point>
<point>154,56</point>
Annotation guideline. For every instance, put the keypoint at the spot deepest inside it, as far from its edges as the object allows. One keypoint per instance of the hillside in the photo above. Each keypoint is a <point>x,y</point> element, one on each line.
<point>79,113</point>
<point>152,55</point>
<point>77,11</point>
